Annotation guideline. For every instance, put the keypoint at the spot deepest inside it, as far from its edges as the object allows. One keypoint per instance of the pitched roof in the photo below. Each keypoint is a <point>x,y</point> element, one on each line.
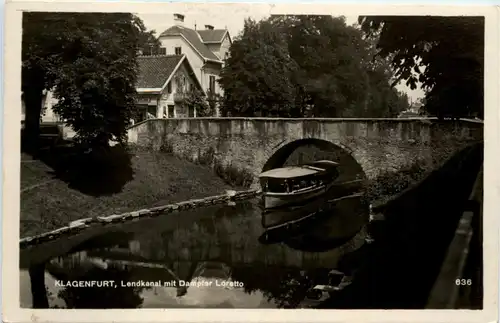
<point>212,36</point>
<point>193,38</point>
<point>155,70</point>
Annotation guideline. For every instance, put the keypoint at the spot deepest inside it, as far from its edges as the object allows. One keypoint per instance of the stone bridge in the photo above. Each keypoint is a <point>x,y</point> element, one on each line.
<point>364,147</point>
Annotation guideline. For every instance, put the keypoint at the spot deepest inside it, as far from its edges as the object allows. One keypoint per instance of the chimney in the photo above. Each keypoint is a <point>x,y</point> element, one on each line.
<point>178,18</point>
<point>209,27</point>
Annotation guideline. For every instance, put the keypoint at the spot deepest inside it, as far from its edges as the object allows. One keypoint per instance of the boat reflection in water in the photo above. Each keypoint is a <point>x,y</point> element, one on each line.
<point>315,213</point>
<point>317,204</point>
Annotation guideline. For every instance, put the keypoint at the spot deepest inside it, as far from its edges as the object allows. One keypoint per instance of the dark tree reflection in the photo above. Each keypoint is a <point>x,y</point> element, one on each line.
<point>38,289</point>
<point>103,297</point>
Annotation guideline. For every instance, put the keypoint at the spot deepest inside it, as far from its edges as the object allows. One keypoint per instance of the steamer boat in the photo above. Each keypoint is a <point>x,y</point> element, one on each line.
<point>297,185</point>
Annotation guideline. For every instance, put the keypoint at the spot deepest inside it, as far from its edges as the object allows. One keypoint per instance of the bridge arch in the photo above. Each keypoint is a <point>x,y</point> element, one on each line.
<point>349,168</point>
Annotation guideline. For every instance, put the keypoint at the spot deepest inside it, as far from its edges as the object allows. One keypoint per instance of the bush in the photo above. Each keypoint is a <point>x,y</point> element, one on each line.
<point>390,183</point>
<point>232,175</point>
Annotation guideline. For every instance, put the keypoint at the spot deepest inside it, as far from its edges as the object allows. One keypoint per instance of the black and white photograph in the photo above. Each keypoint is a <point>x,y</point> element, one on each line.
<point>249,158</point>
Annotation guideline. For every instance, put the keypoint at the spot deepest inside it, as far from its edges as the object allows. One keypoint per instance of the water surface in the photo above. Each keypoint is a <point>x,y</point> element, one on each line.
<point>216,250</point>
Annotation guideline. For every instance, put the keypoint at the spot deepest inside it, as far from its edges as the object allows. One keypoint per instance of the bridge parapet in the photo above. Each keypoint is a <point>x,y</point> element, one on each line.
<point>248,143</point>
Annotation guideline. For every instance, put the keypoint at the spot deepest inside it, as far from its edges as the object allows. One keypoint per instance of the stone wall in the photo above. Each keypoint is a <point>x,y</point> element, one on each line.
<point>247,144</point>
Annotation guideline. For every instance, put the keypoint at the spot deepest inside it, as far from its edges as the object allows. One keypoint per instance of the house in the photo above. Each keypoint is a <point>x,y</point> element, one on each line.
<point>205,50</point>
<point>162,84</point>
<point>414,111</point>
<point>192,56</point>
<point>47,115</point>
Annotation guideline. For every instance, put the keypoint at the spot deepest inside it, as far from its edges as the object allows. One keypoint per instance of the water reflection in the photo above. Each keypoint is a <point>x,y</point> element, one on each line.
<point>204,258</point>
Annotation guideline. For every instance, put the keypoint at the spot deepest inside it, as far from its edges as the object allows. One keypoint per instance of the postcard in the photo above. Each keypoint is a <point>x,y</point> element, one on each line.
<point>250,162</point>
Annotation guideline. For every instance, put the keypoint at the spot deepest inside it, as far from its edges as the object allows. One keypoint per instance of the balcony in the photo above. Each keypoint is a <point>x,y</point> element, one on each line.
<point>179,97</point>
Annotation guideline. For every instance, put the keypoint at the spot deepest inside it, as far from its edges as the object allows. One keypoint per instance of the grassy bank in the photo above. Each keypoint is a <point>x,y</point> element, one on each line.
<point>60,188</point>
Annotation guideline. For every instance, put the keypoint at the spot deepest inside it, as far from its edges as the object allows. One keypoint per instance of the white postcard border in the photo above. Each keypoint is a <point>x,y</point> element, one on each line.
<point>11,156</point>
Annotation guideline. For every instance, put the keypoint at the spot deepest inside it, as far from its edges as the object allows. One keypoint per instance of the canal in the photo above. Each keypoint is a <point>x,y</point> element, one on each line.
<point>220,252</point>
<point>219,249</point>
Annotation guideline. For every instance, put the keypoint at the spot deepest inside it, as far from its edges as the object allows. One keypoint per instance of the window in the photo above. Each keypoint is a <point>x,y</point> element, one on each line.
<point>191,87</point>
<point>178,51</point>
<point>180,83</point>
<point>169,87</point>
<point>211,83</point>
<point>191,112</point>
<point>162,51</point>
<point>171,111</point>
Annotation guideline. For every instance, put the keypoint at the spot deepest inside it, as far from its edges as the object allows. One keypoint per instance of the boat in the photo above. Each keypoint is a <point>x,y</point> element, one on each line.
<point>295,185</point>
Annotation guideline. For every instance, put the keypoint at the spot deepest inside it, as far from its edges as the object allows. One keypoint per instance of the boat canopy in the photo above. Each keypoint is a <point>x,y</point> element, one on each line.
<point>288,172</point>
<point>327,163</point>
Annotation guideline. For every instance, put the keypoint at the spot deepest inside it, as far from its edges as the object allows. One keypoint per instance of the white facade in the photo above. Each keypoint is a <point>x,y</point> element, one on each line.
<point>202,70</point>
<point>48,114</point>
<point>207,69</point>
<point>167,101</point>
<point>172,42</point>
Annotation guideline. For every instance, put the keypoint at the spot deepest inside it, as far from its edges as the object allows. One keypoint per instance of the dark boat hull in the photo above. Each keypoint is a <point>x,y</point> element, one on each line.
<point>321,204</point>
<point>273,218</point>
<point>274,201</point>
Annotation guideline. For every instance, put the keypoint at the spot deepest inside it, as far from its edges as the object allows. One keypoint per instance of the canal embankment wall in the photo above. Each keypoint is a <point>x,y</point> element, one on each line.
<point>459,283</point>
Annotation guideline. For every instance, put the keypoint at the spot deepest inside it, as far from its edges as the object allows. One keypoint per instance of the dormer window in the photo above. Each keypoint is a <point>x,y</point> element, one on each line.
<point>209,27</point>
<point>178,17</point>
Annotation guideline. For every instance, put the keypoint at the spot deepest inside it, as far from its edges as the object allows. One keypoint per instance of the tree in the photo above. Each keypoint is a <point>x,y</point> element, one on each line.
<point>196,100</point>
<point>149,44</point>
<point>329,53</point>
<point>38,288</point>
<point>325,70</point>
<point>257,75</point>
<point>443,54</point>
<point>89,61</point>
<point>384,99</point>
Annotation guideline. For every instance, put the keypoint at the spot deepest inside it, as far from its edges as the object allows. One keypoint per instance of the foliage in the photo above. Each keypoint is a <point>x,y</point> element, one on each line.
<point>231,174</point>
<point>197,101</point>
<point>384,99</point>
<point>214,101</point>
<point>443,54</point>
<point>332,80</point>
<point>295,66</point>
<point>389,183</point>
<point>149,44</point>
<point>89,61</point>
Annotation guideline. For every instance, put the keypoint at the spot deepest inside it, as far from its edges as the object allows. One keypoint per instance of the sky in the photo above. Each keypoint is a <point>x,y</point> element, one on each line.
<point>233,19</point>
